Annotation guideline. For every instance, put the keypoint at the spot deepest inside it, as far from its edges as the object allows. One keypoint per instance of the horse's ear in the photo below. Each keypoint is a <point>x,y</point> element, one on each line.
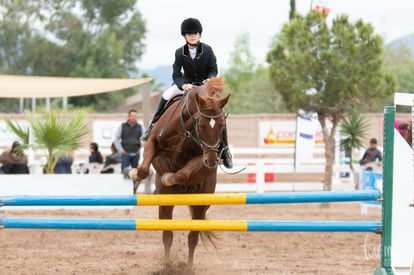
<point>224,101</point>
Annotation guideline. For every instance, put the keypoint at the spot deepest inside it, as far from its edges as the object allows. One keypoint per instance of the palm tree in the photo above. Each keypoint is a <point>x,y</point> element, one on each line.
<point>58,134</point>
<point>353,130</point>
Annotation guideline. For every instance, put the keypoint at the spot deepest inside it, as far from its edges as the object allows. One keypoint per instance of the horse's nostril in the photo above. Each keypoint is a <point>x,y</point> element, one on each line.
<point>210,163</point>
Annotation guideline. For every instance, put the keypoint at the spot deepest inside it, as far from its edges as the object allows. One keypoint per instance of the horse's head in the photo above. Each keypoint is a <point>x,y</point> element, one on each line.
<point>210,122</point>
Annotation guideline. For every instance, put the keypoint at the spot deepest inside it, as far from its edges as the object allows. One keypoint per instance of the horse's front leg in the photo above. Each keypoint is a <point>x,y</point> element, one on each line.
<point>197,213</point>
<point>186,174</point>
<point>165,212</point>
<point>149,153</point>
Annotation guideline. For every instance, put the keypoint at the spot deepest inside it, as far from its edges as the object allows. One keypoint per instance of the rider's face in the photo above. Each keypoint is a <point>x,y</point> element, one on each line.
<point>192,38</point>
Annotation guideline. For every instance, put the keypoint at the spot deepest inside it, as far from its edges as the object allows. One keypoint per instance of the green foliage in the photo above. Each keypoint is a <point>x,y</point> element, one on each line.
<point>329,70</point>
<point>22,132</point>
<point>292,10</point>
<point>73,38</point>
<point>242,63</point>
<point>250,84</point>
<point>57,133</point>
<point>400,62</point>
<point>353,130</point>
<point>343,65</point>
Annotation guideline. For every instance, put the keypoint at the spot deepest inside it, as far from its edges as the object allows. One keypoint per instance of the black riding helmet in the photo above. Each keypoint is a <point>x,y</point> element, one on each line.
<point>191,25</point>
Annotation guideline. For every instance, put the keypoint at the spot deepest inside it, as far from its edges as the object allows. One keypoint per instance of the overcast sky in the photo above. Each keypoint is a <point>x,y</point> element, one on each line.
<point>224,20</point>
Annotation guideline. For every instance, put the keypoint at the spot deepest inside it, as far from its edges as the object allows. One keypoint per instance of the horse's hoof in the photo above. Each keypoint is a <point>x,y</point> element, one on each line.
<point>166,179</point>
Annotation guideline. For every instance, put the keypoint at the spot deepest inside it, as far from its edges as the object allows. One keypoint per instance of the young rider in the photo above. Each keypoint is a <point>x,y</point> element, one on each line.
<point>194,64</point>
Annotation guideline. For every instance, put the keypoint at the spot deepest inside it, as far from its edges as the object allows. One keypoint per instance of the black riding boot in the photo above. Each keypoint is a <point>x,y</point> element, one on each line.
<point>224,151</point>
<point>157,115</point>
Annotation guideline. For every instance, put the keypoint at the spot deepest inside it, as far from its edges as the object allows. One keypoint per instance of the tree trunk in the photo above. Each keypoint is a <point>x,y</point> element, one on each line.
<point>329,155</point>
<point>354,175</point>
<point>329,140</point>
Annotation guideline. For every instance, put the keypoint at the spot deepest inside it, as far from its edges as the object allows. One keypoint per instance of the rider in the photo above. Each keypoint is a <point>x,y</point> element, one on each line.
<point>198,62</point>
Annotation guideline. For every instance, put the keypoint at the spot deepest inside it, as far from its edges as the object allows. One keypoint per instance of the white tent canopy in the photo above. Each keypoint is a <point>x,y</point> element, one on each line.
<point>16,86</point>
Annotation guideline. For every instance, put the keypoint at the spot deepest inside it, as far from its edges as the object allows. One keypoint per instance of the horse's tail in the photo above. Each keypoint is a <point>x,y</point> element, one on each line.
<point>209,238</point>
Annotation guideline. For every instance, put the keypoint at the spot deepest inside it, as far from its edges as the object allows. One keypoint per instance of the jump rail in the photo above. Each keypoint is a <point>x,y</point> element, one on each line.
<point>193,199</point>
<point>189,225</point>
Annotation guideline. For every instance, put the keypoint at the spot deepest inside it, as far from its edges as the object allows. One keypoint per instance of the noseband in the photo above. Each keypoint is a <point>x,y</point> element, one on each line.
<point>210,147</point>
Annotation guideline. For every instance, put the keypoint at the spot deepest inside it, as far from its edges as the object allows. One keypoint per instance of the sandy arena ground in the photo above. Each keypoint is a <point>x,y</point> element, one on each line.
<point>24,251</point>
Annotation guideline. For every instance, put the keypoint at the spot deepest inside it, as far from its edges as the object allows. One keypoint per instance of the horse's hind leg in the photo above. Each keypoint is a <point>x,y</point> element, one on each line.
<point>165,212</point>
<point>199,213</point>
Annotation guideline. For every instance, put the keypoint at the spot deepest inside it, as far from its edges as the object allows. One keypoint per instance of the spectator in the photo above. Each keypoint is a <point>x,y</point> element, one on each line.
<point>403,129</point>
<point>372,154</point>
<point>14,160</point>
<point>64,164</point>
<point>113,159</point>
<point>127,142</point>
<point>94,158</point>
<point>95,155</point>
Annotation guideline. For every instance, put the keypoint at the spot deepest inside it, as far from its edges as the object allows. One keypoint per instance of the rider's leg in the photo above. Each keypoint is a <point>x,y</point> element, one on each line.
<point>157,115</point>
<point>169,93</point>
<point>224,150</point>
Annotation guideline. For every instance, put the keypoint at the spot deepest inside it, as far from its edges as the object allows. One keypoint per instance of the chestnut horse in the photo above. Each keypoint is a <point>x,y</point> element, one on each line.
<point>183,148</point>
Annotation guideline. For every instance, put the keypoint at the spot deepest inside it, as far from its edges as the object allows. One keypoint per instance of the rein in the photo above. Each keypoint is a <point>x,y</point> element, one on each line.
<point>189,133</point>
<point>197,139</point>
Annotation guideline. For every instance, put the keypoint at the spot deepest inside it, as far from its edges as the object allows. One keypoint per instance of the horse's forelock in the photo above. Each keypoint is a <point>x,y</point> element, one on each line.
<point>216,86</point>
<point>209,103</point>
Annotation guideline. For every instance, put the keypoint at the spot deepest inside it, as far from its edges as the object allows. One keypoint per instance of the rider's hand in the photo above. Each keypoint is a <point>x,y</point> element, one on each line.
<point>187,87</point>
<point>206,80</point>
<point>133,174</point>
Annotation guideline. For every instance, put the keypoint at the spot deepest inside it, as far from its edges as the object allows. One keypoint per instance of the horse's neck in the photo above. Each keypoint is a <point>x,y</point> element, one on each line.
<point>179,113</point>
<point>189,104</point>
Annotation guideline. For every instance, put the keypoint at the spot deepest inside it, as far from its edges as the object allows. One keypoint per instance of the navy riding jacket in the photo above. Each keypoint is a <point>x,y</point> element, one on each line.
<point>187,70</point>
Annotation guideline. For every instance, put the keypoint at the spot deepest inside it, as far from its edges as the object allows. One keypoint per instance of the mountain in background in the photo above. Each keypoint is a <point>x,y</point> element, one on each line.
<point>406,41</point>
<point>162,74</point>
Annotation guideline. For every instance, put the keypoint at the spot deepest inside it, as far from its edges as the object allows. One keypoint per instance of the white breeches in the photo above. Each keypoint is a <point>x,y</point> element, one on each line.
<point>171,92</point>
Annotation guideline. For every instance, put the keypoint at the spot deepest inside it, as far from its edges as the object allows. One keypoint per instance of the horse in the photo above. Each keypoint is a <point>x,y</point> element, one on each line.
<point>183,149</point>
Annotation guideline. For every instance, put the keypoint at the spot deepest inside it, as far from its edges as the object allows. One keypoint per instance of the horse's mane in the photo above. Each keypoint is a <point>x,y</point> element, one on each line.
<point>215,86</point>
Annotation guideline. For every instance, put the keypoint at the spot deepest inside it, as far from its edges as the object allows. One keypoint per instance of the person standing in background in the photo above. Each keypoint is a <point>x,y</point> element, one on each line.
<point>128,143</point>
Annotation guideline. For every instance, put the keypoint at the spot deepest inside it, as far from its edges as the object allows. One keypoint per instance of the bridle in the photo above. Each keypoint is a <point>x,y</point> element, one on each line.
<point>206,147</point>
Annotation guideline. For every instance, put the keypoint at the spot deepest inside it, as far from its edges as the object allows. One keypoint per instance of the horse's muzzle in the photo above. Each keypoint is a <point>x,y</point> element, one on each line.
<point>211,163</point>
